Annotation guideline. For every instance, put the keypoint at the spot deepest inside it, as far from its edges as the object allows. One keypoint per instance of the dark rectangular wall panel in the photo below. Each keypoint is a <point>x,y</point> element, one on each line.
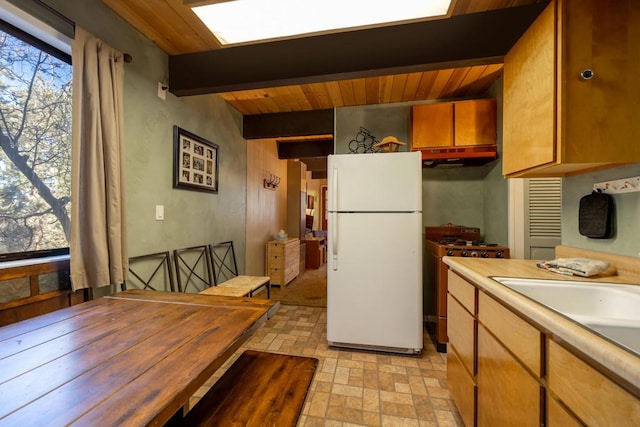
<point>279,125</point>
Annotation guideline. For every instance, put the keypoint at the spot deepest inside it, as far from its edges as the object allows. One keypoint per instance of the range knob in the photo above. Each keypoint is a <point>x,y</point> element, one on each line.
<point>463,253</point>
<point>484,254</point>
<point>498,254</point>
<point>450,252</point>
<point>474,254</point>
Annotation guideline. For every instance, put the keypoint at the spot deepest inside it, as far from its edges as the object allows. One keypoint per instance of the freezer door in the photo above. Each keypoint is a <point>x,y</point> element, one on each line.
<point>380,182</point>
<point>374,280</point>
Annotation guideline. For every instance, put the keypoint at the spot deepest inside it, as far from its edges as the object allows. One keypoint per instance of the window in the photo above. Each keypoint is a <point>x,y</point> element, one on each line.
<point>35,145</point>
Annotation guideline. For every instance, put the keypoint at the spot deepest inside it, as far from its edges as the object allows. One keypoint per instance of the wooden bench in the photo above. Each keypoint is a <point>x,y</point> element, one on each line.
<point>259,389</point>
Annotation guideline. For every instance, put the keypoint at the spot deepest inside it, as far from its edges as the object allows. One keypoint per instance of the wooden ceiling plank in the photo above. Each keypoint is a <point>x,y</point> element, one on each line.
<point>209,41</point>
<point>411,87</point>
<point>426,83</point>
<point>489,76</point>
<point>322,94</point>
<point>453,84</point>
<point>386,88</point>
<point>473,74</point>
<point>440,82</point>
<point>372,85</point>
<point>133,16</point>
<point>158,15</point>
<point>399,83</point>
<point>313,97</point>
<point>359,91</point>
<point>346,90</point>
<point>334,93</point>
<point>302,101</point>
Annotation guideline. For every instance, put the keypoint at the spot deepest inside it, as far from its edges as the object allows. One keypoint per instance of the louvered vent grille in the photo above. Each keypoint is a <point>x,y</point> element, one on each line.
<point>545,207</point>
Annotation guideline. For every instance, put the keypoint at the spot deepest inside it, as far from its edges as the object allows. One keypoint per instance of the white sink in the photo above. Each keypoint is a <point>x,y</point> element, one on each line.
<point>610,309</point>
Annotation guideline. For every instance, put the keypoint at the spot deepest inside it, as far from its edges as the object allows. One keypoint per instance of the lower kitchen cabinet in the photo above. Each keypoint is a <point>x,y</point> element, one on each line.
<point>461,355</point>
<point>558,416</point>
<point>508,395</point>
<point>462,387</point>
<point>591,396</point>
<point>504,371</point>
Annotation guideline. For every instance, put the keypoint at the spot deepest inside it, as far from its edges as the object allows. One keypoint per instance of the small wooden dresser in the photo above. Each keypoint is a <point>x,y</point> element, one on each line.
<point>283,260</point>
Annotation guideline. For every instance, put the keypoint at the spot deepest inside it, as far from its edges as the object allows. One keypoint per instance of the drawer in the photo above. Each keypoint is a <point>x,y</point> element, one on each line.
<point>515,333</point>
<point>462,388</point>
<point>461,332</point>
<point>594,398</point>
<point>276,250</point>
<point>464,291</point>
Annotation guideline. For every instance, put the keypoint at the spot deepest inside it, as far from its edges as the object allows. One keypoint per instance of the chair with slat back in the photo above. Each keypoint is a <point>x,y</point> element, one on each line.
<point>193,268</point>
<point>225,271</point>
<point>151,271</point>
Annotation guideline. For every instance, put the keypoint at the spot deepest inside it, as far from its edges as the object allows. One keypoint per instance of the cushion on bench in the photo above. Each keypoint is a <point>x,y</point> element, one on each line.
<point>259,389</point>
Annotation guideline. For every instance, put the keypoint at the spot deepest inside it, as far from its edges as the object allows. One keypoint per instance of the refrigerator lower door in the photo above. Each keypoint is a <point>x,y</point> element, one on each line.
<point>374,281</point>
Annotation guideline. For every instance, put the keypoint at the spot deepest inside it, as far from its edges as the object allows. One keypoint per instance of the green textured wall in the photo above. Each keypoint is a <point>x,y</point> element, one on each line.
<point>626,239</point>
<point>191,218</point>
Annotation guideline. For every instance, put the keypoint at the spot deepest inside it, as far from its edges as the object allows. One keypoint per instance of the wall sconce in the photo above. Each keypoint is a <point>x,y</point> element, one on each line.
<point>272,182</point>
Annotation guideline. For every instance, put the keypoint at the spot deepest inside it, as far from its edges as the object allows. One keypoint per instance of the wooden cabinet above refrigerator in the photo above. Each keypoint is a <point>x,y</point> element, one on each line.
<point>453,124</point>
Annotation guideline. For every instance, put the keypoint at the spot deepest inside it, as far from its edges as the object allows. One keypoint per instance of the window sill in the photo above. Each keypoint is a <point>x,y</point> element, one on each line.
<point>33,261</point>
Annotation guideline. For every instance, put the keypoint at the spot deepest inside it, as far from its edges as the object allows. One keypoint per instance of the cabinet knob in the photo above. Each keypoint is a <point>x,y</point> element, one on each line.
<point>587,74</point>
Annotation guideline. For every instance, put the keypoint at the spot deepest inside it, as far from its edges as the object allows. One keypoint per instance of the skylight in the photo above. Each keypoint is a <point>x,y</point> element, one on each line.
<point>246,21</point>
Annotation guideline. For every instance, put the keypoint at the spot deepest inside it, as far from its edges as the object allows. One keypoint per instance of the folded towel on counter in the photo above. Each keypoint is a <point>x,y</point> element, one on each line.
<point>575,266</point>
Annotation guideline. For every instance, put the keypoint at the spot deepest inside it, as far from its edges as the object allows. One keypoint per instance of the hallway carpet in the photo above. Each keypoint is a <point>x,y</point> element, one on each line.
<point>308,289</point>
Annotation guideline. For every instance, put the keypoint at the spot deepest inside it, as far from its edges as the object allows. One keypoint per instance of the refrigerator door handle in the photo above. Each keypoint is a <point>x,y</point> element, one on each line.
<point>333,193</point>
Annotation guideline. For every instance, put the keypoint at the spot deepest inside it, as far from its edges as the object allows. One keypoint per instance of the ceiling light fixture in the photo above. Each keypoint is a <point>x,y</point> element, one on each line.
<point>246,21</point>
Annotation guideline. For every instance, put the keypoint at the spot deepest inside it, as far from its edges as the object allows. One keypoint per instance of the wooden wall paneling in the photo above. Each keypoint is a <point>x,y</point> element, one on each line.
<point>14,309</point>
<point>266,209</point>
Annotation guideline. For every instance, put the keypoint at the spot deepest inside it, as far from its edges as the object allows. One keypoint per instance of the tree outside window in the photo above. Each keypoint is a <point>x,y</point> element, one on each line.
<point>35,148</point>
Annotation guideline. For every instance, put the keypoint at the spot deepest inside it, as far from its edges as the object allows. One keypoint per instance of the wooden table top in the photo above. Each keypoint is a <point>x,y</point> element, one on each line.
<point>133,358</point>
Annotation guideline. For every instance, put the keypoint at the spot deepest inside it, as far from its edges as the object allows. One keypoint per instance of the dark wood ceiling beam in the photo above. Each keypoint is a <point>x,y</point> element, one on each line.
<point>319,175</point>
<point>304,149</point>
<point>296,123</point>
<point>478,38</point>
<point>315,164</point>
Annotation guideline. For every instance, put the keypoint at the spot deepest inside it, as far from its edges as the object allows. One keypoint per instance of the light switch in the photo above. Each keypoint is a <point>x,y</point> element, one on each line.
<point>159,212</point>
<point>162,90</point>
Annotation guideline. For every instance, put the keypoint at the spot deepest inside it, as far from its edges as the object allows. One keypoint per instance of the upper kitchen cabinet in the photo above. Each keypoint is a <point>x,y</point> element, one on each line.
<point>571,90</point>
<point>453,124</point>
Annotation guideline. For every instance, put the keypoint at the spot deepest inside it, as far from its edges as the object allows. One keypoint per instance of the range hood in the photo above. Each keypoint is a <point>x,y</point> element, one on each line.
<point>458,156</point>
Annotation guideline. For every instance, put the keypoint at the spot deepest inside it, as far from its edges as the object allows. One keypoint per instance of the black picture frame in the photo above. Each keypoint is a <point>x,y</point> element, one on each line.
<point>195,162</point>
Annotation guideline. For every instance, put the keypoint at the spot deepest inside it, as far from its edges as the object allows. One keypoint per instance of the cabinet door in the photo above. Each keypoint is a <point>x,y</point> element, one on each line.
<point>557,416</point>
<point>462,388</point>
<point>475,122</point>
<point>529,109</point>
<point>590,395</point>
<point>461,330</point>
<point>432,125</point>
<point>598,124</point>
<point>507,394</point>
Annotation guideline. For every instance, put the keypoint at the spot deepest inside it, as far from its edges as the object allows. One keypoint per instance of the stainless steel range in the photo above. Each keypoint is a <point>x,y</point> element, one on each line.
<point>449,240</point>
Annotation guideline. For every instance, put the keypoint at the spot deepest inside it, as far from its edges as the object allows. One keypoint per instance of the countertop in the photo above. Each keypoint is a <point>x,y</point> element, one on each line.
<point>621,363</point>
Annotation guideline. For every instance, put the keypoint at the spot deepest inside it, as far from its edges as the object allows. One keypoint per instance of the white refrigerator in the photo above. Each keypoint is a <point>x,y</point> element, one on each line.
<point>374,267</point>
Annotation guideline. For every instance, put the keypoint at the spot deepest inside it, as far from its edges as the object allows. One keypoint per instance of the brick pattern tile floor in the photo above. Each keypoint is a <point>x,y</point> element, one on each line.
<point>356,388</point>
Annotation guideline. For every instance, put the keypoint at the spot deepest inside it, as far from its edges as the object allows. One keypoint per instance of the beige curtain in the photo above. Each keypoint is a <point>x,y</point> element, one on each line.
<point>98,227</point>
